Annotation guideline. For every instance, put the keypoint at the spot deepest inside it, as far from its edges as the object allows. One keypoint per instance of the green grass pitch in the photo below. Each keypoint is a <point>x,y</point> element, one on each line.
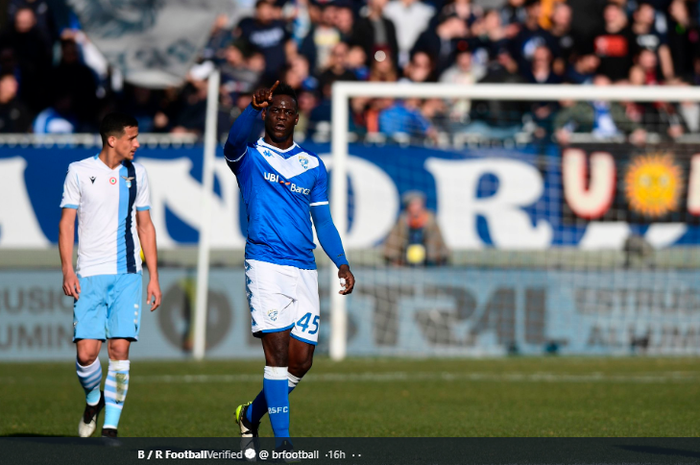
<point>544,397</point>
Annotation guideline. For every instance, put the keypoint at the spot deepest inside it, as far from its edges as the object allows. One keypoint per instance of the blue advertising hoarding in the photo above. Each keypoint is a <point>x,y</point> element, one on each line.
<point>513,199</point>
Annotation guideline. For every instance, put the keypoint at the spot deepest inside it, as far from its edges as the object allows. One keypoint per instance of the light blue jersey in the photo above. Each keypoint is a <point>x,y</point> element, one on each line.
<point>279,188</point>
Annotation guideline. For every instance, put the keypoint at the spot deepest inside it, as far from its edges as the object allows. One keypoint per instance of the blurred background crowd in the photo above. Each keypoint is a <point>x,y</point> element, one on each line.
<point>53,80</point>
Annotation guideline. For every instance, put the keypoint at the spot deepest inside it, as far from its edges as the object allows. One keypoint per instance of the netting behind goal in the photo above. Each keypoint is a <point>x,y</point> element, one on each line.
<point>557,220</point>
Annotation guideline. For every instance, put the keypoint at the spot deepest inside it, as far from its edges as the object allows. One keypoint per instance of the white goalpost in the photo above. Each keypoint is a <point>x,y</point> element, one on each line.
<point>342,94</point>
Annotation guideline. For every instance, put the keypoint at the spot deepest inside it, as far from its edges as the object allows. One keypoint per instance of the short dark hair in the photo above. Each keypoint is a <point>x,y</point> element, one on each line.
<point>285,89</point>
<point>114,124</point>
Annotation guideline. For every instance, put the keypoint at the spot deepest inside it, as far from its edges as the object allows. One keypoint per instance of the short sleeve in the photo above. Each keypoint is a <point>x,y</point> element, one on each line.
<point>319,193</point>
<point>71,189</point>
<point>143,194</point>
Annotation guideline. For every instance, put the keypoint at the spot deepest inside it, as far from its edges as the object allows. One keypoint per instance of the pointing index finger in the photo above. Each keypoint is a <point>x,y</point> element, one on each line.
<point>274,86</point>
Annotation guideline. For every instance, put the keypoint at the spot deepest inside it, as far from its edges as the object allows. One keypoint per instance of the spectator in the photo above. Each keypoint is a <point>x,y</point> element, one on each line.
<point>490,36</point>
<point>375,33</point>
<point>300,22</point>
<point>301,67</point>
<point>168,108</point>
<point>76,79</point>
<point>14,116</point>
<point>240,74</point>
<point>31,49</point>
<point>383,71</point>
<point>644,71</point>
<point>540,71</point>
<point>411,18</point>
<point>587,21</point>
<point>420,68</point>
<point>583,70</point>
<point>359,113</point>
<point>59,118</point>
<point>42,14</point>
<point>647,37</point>
<point>403,119</point>
<point>337,69</point>
<point>216,47</point>
<point>661,117</point>
<point>460,8</point>
<point>268,34</point>
<point>322,37</point>
<point>547,13</point>
<point>689,111</point>
<point>561,30</point>
<point>436,111</point>
<point>460,73</point>
<point>344,20</point>
<point>513,15</point>
<point>142,104</point>
<point>683,37</point>
<point>602,119</point>
<point>499,118</point>
<point>532,36</point>
<point>415,239</point>
<point>451,35</point>
<point>191,115</point>
<point>307,102</point>
<point>357,63</point>
<point>613,44</point>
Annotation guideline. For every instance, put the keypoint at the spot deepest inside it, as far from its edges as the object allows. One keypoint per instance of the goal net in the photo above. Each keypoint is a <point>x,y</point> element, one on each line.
<point>506,219</point>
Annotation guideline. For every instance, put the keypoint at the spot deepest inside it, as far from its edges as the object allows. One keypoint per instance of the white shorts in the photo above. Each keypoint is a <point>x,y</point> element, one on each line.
<point>281,297</point>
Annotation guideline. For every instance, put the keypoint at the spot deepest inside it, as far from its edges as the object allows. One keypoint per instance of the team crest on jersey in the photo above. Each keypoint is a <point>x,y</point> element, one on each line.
<point>128,181</point>
<point>304,162</point>
<point>112,181</point>
<point>272,314</point>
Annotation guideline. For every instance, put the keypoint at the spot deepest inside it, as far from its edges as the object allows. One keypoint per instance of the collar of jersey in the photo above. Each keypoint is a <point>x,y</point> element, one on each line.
<point>102,164</point>
<point>284,152</point>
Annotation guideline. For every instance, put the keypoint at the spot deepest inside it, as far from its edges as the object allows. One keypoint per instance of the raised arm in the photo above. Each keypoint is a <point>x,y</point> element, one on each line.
<point>236,143</point>
<point>330,241</point>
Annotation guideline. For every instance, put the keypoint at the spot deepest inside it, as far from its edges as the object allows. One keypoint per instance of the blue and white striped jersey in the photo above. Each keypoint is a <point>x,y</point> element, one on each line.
<point>106,201</point>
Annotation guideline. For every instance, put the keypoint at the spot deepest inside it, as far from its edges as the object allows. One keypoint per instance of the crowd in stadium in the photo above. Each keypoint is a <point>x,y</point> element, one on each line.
<point>53,80</point>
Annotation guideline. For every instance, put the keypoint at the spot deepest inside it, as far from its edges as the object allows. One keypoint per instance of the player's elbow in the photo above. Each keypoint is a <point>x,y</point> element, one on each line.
<point>145,230</point>
<point>65,228</point>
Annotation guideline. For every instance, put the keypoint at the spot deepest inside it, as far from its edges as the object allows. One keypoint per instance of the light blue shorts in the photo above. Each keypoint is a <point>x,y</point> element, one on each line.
<point>109,307</point>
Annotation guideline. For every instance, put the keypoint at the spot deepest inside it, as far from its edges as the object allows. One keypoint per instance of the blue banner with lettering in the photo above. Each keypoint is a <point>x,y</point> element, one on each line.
<point>512,199</point>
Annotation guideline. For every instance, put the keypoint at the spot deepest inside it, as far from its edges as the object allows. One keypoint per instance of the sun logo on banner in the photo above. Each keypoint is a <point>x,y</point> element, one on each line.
<point>653,184</point>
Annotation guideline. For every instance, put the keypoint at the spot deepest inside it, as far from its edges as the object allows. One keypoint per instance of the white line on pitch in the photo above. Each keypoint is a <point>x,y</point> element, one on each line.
<point>370,377</point>
<point>673,377</point>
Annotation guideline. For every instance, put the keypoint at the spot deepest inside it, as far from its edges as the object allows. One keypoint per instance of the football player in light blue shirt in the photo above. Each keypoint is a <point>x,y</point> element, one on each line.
<point>283,187</point>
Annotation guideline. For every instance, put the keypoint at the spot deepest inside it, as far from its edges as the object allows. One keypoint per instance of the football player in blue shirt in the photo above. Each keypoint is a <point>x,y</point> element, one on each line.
<point>283,187</point>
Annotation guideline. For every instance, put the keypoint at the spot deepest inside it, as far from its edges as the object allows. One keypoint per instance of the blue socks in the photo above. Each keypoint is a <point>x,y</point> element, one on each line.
<point>116,387</point>
<point>275,388</point>
<point>90,378</point>
<point>258,408</point>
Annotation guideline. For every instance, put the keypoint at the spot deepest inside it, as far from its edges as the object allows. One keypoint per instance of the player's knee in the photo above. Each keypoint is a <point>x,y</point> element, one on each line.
<point>118,354</point>
<point>301,367</point>
<point>87,357</point>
